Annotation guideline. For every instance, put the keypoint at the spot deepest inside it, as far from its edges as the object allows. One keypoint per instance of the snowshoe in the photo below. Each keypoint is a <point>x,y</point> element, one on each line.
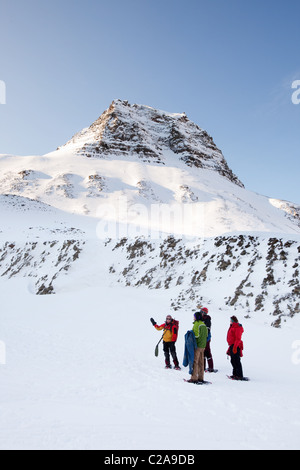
<point>241,379</point>
<point>212,370</point>
<point>199,382</point>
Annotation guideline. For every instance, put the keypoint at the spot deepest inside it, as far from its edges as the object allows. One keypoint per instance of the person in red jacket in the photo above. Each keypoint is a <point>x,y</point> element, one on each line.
<point>235,350</point>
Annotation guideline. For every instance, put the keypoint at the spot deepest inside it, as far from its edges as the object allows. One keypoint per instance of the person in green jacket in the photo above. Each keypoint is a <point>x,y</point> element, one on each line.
<point>201,333</point>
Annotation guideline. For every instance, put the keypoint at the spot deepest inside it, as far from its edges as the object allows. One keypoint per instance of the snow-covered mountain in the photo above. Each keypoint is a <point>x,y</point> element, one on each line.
<point>134,217</point>
<point>145,156</point>
<point>148,184</point>
<point>150,136</point>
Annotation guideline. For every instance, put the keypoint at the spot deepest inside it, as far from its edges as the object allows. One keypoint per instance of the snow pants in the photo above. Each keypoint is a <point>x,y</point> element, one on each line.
<point>208,356</point>
<point>170,348</point>
<point>236,363</point>
<point>198,368</point>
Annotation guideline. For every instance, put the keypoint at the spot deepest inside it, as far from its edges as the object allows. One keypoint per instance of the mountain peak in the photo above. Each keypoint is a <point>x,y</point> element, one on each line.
<point>151,136</point>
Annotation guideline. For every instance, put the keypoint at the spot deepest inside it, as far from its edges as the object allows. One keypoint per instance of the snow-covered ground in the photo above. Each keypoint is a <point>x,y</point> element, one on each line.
<point>81,373</point>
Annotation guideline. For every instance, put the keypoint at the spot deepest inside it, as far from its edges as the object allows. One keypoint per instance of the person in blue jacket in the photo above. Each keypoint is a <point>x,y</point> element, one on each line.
<point>189,350</point>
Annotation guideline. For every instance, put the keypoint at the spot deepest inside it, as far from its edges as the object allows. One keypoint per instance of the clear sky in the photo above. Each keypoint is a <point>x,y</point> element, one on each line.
<point>229,64</point>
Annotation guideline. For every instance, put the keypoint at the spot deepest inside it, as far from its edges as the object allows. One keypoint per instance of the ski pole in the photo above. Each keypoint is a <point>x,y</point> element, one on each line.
<point>156,349</point>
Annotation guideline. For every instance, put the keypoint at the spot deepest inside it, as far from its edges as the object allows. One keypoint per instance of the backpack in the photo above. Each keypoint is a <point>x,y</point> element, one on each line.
<point>175,329</point>
<point>207,321</point>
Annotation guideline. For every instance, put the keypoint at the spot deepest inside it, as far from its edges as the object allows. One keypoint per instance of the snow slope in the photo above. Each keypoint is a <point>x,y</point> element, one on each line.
<point>134,156</point>
<point>136,217</point>
<point>80,370</point>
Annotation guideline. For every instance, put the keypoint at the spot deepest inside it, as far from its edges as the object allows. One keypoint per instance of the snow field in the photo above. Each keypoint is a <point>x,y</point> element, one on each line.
<point>81,374</point>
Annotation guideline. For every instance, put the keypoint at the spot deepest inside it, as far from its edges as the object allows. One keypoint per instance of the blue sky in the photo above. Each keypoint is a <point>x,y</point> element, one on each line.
<point>229,64</point>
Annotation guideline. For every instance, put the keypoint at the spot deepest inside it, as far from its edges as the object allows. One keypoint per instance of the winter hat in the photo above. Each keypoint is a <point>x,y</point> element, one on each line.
<point>203,309</point>
<point>234,319</point>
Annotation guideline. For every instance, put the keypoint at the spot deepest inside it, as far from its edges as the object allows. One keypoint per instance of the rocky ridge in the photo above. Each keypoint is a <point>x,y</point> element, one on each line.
<point>136,130</point>
<point>242,272</point>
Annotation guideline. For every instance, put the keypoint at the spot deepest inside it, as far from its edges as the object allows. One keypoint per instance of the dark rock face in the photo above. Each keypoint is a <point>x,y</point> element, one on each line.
<point>245,273</point>
<point>125,130</point>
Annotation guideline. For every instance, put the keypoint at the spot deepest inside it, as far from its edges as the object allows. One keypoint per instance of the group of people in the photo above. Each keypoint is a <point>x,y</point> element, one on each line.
<point>198,345</point>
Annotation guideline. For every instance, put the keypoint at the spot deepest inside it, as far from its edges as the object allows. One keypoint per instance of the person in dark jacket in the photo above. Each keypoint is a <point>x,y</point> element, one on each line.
<point>170,335</point>
<point>235,350</point>
<point>207,353</point>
